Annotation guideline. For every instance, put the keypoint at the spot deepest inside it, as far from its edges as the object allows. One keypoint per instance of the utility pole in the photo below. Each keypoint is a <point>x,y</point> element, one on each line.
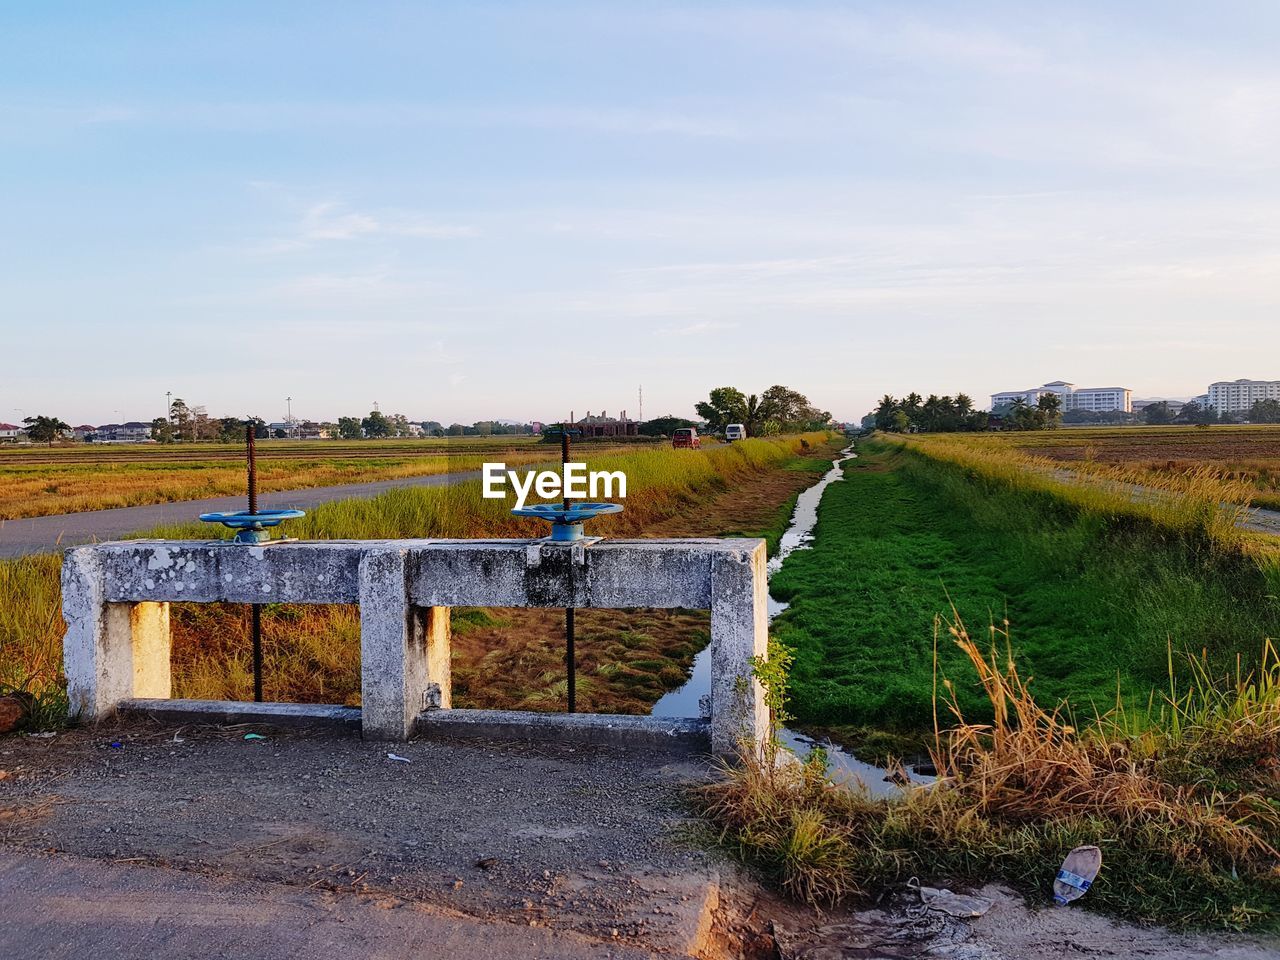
<point>289,417</point>
<point>168,405</point>
<point>642,403</point>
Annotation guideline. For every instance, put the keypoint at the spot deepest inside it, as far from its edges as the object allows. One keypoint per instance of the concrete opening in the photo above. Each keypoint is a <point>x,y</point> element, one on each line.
<point>511,658</point>
<point>311,652</point>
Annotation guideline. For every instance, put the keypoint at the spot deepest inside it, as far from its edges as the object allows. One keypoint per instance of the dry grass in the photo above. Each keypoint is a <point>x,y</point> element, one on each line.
<point>1200,502</point>
<point>1015,795</point>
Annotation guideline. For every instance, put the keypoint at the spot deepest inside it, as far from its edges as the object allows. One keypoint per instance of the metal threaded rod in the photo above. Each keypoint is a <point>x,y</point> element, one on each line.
<point>570,661</point>
<point>250,431</point>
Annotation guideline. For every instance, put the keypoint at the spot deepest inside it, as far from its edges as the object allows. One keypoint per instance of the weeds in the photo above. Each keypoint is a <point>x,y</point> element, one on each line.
<point>1016,794</point>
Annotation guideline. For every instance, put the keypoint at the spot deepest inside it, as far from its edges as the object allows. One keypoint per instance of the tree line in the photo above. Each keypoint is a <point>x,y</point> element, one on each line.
<point>935,414</point>
<point>777,410</point>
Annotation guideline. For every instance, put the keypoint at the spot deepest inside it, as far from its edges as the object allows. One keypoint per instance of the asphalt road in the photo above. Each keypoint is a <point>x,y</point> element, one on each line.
<point>45,534</point>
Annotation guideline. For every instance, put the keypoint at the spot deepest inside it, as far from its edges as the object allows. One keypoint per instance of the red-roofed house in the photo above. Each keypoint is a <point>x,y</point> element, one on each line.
<point>10,432</point>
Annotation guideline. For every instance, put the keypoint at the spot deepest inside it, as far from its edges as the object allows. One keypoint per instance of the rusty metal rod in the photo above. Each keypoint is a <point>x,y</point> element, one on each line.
<point>250,435</point>
<point>570,661</point>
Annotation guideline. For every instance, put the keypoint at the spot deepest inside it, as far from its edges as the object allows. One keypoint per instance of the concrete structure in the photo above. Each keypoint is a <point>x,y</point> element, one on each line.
<point>1087,399</point>
<point>607,426</point>
<point>11,433</point>
<point>116,600</point>
<point>1239,396</point>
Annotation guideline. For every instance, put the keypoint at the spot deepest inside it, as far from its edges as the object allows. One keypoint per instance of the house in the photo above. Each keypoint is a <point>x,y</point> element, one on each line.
<point>135,431</point>
<point>11,433</point>
<point>84,432</point>
<point>310,430</point>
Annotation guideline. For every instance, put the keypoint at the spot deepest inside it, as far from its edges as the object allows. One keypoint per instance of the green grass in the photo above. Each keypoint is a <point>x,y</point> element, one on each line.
<point>1097,598</point>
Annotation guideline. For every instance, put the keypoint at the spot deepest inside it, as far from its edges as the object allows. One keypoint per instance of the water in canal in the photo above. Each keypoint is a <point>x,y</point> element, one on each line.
<point>842,766</point>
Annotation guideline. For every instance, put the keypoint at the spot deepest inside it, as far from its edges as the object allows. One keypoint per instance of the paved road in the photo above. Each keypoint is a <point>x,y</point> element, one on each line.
<point>56,907</point>
<point>44,534</point>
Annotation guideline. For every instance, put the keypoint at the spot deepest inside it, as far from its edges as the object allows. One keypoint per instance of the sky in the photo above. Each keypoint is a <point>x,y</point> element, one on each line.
<point>466,211</point>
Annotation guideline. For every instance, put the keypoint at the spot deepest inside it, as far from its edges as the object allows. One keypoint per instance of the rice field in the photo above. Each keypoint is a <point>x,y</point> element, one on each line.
<point>1249,455</point>
<point>40,481</point>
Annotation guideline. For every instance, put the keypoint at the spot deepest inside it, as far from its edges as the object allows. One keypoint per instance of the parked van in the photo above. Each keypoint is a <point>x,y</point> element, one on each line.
<point>735,431</point>
<point>686,437</point>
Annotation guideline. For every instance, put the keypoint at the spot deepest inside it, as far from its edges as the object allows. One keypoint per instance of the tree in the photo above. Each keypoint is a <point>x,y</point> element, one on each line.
<point>43,429</point>
<point>1192,412</point>
<point>1264,411</point>
<point>1048,412</point>
<point>230,429</point>
<point>664,426</point>
<point>349,428</point>
<point>1158,414</point>
<point>376,424</point>
<point>724,406</point>
<point>161,430</point>
<point>181,419</point>
<point>884,411</point>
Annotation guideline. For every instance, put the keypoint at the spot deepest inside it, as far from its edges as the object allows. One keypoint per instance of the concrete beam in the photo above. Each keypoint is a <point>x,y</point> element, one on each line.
<point>602,728</point>
<point>235,711</point>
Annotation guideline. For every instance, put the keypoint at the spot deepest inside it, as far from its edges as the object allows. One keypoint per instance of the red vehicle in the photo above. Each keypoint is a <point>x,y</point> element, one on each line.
<point>686,437</point>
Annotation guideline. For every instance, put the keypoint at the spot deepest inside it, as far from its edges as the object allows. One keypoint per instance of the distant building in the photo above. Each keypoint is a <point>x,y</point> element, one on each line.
<point>132,432</point>
<point>1085,399</point>
<point>607,426</point>
<point>10,433</point>
<point>1239,396</point>
<point>84,431</point>
<point>310,430</point>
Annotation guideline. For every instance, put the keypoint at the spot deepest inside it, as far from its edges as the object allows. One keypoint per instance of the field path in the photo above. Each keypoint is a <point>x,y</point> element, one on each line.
<point>45,534</point>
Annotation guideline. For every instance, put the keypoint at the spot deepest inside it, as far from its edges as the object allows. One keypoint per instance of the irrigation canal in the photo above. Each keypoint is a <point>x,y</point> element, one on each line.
<point>841,765</point>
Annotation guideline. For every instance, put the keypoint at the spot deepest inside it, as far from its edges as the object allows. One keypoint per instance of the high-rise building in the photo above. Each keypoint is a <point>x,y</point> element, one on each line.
<point>1239,396</point>
<point>1089,399</point>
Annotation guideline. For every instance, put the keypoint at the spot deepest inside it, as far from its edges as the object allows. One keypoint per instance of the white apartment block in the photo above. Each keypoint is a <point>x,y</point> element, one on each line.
<point>1238,396</point>
<point>1089,399</point>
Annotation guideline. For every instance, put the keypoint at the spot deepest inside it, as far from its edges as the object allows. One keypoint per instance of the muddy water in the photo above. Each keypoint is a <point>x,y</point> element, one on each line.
<point>842,766</point>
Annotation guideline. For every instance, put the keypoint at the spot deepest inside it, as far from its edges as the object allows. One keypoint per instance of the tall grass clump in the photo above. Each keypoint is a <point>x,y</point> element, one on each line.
<point>1186,839</point>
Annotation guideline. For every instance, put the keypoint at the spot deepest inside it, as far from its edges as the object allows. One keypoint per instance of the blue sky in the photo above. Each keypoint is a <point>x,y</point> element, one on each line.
<point>466,211</point>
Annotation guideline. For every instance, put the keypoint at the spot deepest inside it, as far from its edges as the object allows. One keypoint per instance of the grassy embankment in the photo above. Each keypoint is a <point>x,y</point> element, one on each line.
<point>39,481</point>
<point>1159,598</point>
<point>501,658</point>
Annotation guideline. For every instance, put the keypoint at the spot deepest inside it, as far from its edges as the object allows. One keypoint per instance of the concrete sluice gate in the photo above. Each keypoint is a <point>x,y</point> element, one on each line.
<point>115,599</point>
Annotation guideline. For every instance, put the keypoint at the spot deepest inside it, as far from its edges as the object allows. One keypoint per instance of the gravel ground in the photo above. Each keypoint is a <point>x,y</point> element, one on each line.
<point>324,845</point>
<point>580,838</point>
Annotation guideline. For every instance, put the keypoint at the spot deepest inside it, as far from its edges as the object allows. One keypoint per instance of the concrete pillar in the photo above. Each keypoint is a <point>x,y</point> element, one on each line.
<point>404,651</point>
<point>111,651</point>
<point>739,631</point>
